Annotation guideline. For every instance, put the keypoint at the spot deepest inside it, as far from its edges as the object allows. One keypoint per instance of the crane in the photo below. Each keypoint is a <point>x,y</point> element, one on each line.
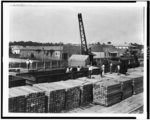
<point>84,49</point>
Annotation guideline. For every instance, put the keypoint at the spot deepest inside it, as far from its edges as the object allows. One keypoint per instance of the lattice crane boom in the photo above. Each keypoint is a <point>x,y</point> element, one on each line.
<point>84,49</point>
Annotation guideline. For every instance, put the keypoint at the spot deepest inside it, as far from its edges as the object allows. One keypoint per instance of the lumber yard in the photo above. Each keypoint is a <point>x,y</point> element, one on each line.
<point>114,85</point>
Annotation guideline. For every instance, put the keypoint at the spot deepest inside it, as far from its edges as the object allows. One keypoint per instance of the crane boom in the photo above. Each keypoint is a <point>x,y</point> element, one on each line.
<point>84,49</point>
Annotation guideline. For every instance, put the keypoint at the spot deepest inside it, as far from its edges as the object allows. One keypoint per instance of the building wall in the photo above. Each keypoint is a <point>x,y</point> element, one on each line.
<point>99,55</point>
<point>75,63</point>
<point>122,47</point>
<point>41,55</point>
<point>16,51</point>
<point>70,49</point>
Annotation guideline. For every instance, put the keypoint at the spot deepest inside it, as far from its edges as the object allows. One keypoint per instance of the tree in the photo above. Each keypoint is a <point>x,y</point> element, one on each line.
<point>30,43</point>
<point>108,42</point>
<point>98,43</point>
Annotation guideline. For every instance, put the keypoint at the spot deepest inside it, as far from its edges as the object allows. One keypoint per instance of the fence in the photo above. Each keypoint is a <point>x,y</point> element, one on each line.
<point>40,65</point>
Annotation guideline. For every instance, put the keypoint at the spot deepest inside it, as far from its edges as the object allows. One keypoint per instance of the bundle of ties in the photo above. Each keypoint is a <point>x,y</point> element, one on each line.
<point>63,96</point>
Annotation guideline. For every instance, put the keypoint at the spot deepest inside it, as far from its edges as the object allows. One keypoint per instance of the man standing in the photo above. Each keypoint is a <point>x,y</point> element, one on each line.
<point>67,70</point>
<point>90,71</point>
<point>27,64</point>
<point>103,70</point>
<point>71,72</point>
<point>118,69</point>
<point>110,67</point>
<point>100,70</point>
<point>31,61</point>
<point>78,68</point>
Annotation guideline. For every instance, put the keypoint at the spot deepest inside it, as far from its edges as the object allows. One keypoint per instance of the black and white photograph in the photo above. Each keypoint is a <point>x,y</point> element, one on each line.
<point>74,59</point>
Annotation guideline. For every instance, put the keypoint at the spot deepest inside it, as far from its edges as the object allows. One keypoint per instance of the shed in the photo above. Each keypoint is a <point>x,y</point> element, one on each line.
<point>78,60</point>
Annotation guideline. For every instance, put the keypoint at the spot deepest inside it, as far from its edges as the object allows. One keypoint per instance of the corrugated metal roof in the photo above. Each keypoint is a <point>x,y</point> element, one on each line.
<point>79,57</point>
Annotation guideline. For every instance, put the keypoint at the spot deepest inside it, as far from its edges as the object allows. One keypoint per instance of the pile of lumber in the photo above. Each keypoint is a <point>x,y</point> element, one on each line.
<point>51,76</point>
<point>96,71</point>
<point>72,94</point>
<point>55,97</point>
<point>126,86</point>
<point>138,69</point>
<point>137,82</point>
<point>78,74</point>
<point>15,81</point>
<point>86,88</point>
<point>34,99</point>
<point>62,96</point>
<point>107,92</point>
<point>16,100</point>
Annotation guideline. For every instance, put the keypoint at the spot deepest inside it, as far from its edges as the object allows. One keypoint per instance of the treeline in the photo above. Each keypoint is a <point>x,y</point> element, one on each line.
<point>138,46</point>
<point>30,43</point>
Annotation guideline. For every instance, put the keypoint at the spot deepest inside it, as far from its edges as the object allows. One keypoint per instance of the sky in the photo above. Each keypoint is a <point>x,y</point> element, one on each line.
<point>59,23</point>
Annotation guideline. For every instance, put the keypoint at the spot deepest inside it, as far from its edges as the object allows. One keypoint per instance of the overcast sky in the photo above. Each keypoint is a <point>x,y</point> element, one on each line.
<point>59,23</point>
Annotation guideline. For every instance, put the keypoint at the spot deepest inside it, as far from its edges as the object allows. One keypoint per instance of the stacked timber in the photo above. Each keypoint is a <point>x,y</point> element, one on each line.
<point>16,100</point>
<point>137,82</point>
<point>86,88</point>
<point>15,81</point>
<point>139,69</point>
<point>30,79</point>
<point>51,75</point>
<point>72,94</point>
<point>126,84</point>
<point>114,75</point>
<point>55,97</point>
<point>107,92</point>
<point>90,80</point>
<point>34,98</point>
<point>96,71</point>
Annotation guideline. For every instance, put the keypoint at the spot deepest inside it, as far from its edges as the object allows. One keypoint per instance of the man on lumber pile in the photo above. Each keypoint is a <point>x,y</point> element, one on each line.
<point>28,64</point>
<point>103,70</point>
<point>100,70</point>
<point>90,71</point>
<point>110,67</point>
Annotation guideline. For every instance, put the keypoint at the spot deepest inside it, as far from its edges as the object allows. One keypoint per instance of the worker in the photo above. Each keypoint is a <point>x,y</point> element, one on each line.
<point>110,67</point>
<point>28,64</point>
<point>100,69</point>
<point>129,64</point>
<point>71,72</point>
<point>118,69</point>
<point>67,70</point>
<point>103,70</point>
<point>31,61</point>
<point>90,71</point>
<point>78,68</point>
